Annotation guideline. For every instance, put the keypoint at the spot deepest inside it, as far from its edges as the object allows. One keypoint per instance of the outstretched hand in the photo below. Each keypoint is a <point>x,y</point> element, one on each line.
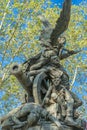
<point>20,125</point>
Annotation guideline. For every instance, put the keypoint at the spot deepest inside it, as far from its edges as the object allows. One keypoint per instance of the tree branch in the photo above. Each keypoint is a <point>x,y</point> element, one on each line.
<point>74,76</point>
<point>4,15</point>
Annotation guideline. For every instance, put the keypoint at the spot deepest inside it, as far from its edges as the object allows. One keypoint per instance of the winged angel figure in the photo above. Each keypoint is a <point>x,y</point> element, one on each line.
<point>48,62</point>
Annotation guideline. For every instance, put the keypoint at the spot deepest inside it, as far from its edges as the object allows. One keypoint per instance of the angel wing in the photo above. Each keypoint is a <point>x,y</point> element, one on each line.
<point>62,22</point>
<point>50,34</point>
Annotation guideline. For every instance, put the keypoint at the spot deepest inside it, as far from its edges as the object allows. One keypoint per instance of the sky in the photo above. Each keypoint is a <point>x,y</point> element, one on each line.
<point>76,2</point>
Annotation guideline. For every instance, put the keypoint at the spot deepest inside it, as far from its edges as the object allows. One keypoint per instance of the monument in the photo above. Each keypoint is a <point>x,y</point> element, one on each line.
<point>49,103</point>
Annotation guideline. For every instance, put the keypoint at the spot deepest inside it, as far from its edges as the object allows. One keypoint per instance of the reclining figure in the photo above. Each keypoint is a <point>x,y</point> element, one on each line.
<point>27,115</point>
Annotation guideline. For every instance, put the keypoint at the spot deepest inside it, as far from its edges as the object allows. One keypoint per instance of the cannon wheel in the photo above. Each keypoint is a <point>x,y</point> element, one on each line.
<point>38,87</point>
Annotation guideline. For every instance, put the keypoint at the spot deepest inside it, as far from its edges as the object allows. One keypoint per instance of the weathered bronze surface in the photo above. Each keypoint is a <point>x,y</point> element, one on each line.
<point>50,104</point>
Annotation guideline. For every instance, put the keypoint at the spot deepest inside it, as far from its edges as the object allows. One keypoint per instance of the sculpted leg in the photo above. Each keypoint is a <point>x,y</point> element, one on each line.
<point>56,121</point>
<point>33,117</point>
<point>20,125</point>
<point>8,122</point>
<point>70,111</point>
<point>14,122</point>
<point>77,101</point>
<point>17,122</point>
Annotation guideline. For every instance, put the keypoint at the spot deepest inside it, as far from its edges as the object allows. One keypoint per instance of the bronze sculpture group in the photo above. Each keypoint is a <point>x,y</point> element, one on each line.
<point>46,82</point>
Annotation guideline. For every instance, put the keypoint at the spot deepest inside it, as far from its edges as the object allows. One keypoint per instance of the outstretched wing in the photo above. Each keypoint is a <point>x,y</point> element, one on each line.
<point>62,22</point>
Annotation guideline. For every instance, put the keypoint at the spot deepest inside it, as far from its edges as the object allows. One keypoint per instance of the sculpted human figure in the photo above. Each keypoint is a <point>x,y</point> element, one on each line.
<point>63,104</point>
<point>27,115</point>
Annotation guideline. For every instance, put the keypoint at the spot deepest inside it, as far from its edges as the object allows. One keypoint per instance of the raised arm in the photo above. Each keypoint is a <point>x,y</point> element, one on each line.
<point>68,54</point>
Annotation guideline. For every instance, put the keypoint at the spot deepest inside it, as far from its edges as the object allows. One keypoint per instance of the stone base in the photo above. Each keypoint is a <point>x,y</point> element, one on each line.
<point>49,127</point>
<point>45,126</point>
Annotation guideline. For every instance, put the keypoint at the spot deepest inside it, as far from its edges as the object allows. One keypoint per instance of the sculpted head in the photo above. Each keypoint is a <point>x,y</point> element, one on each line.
<point>61,41</point>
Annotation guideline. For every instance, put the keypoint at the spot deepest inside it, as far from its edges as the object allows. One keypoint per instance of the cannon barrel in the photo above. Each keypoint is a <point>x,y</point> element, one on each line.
<point>21,76</point>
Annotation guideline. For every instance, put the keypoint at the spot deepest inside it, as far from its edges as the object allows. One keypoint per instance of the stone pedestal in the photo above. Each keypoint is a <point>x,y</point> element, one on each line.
<point>49,126</point>
<point>45,126</point>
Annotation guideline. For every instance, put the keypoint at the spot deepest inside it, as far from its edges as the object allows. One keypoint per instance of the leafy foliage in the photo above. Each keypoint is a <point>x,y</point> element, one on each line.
<point>19,32</point>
